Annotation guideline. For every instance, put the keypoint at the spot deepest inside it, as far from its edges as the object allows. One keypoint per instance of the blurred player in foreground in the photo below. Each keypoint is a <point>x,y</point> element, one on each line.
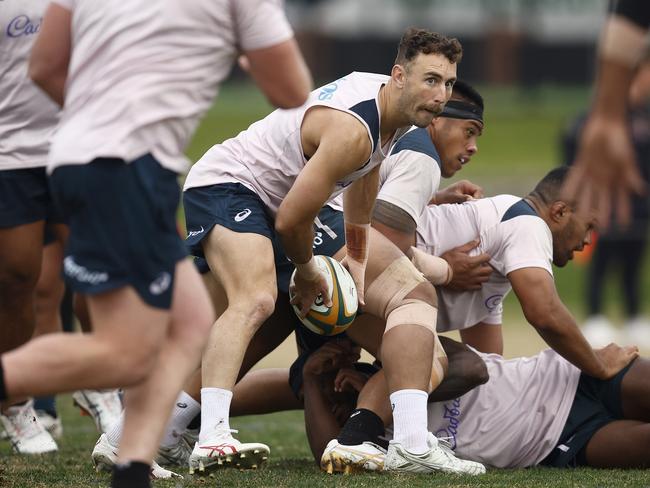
<point>133,85</point>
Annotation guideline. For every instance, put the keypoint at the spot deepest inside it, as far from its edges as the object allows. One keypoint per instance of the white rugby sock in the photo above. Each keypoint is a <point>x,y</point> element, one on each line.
<point>185,409</point>
<point>410,419</point>
<point>115,431</point>
<point>215,410</point>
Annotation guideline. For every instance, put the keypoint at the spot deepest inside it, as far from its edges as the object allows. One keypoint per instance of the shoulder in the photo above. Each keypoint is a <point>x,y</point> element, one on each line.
<point>416,140</point>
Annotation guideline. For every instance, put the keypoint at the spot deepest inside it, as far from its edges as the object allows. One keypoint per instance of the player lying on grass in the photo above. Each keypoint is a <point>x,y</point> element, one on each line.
<point>538,410</point>
<point>524,237</point>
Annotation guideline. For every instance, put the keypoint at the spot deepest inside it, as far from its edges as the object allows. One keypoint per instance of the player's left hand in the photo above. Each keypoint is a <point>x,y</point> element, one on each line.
<point>459,192</point>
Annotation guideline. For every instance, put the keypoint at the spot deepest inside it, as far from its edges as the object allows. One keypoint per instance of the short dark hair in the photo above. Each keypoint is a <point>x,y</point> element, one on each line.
<point>548,189</point>
<point>416,41</point>
<point>467,93</point>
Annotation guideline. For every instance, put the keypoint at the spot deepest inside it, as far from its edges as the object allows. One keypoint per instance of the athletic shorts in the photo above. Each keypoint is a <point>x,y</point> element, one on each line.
<point>25,198</point>
<point>329,237</point>
<point>230,205</point>
<point>123,230</point>
<point>596,404</point>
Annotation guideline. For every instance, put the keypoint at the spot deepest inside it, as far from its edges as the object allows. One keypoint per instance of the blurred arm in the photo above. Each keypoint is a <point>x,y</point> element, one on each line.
<point>48,63</point>
<point>281,73</point>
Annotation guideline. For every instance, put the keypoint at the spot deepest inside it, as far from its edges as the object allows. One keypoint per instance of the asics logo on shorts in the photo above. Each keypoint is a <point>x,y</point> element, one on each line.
<point>243,215</point>
<point>160,284</point>
<point>193,233</point>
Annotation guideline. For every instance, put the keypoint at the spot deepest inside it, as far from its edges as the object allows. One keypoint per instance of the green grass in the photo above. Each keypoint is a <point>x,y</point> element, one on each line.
<point>290,465</point>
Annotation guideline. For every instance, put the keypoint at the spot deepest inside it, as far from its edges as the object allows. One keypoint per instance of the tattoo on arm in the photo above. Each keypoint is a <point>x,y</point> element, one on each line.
<point>393,216</point>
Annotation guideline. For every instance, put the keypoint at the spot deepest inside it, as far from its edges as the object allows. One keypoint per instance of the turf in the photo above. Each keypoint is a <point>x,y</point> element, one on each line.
<point>290,465</point>
<point>518,146</point>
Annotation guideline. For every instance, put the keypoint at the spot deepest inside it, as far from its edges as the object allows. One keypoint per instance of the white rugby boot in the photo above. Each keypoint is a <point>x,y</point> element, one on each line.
<point>338,458</point>
<point>25,431</point>
<point>104,406</point>
<point>51,423</point>
<point>105,456</point>
<point>436,459</point>
<point>223,450</point>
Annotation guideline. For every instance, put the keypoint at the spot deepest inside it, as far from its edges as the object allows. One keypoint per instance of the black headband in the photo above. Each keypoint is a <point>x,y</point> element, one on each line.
<point>456,109</point>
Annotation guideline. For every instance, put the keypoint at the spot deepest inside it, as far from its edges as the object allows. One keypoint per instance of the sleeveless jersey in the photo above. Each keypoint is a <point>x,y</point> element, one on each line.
<point>268,156</point>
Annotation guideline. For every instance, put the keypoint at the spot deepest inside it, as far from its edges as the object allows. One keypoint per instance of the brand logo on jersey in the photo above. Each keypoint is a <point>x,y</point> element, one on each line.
<point>243,215</point>
<point>452,415</point>
<point>83,274</point>
<point>23,26</point>
<point>327,92</point>
<point>193,233</point>
<point>160,284</point>
<point>493,303</point>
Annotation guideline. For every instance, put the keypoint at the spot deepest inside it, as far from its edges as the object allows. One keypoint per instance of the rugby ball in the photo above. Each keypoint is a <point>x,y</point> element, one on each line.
<point>329,321</point>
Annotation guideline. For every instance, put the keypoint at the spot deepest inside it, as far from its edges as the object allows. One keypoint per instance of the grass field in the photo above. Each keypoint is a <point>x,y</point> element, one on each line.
<point>290,465</point>
<point>519,145</point>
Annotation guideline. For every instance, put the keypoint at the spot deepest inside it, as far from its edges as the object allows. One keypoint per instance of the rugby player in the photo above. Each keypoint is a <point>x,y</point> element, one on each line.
<point>524,238</point>
<point>273,179</point>
<point>137,75</point>
<point>532,411</point>
<point>27,122</point>
<point>417,167</point>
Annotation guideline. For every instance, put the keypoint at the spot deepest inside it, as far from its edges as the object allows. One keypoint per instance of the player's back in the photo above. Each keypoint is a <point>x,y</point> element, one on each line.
<point>143,72</point>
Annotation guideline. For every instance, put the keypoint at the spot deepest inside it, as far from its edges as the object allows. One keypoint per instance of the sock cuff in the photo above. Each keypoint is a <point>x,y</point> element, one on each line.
<point>409,392</point>
<point>216,391</point>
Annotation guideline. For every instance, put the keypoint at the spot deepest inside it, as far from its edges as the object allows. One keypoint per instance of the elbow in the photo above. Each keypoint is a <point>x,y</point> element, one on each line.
<point>539,317</point>
<point>290,98</point>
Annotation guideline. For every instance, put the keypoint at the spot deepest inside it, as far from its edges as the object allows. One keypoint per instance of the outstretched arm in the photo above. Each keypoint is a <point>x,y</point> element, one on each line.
<point>544,310</point>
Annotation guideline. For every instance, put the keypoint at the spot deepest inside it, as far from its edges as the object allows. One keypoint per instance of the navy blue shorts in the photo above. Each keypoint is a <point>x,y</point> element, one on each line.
<point>596,404</point>
<point>25,198</point>
<point>329,238</point>
<point>122,227</point>
<point>230,205</point>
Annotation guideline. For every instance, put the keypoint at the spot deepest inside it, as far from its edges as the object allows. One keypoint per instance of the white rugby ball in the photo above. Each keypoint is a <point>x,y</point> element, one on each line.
<point>332,320</point>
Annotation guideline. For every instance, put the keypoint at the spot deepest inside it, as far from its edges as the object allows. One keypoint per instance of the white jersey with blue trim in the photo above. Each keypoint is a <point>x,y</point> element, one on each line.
<point>27,116</point>
<point>516,418</point>
<point>410,176</point>
<point>509,231</point>
<point>268,156</point>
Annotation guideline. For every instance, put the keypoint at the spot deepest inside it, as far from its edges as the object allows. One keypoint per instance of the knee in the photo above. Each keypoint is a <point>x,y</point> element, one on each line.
<point>255,308</point>
<point>16,281</point>
<point>424,292</point>
<point>131,361</point>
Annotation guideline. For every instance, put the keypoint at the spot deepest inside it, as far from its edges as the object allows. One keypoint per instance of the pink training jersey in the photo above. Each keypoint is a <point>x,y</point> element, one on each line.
<point>268,156</point>
<point>27,115</point>
<point>509,231</point>
<point>516,418</point>
<point>143,72</point>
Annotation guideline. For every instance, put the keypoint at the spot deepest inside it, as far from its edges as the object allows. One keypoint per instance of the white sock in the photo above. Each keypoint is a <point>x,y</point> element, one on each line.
<point>215,410</point>
<point>185,409</point>
<point>115,431</point>
<point>410,419</point>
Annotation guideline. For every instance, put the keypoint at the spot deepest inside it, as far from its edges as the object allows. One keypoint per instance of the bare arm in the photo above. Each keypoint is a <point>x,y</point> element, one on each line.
<point>338,145</point>
<point>395,223</point>
<point>281,73</point>
<point>484,337</point>
<point>544,310</point>
<point>605,166</point>
<point>263,391</point>
<point>48,63</point>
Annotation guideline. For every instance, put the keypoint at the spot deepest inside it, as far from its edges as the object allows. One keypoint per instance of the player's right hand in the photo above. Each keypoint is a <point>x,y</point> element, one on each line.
<point>470,272</point>
<point>614,358</point>
<point>305,290</point>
